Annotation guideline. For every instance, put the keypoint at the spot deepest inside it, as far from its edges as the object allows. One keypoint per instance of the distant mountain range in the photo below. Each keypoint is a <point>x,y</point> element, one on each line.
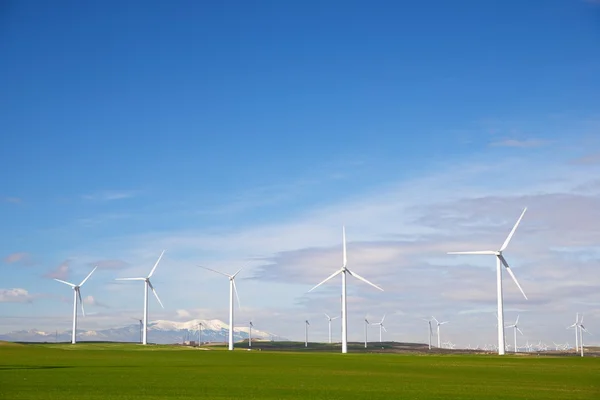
<point>160,331</point>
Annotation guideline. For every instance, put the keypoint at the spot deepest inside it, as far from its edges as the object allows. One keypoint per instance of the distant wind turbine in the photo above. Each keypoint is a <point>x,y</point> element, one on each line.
<point>232,290</point>
<point>438,331</point>
<point>366,330</point>
<point>250,325</point>
<point>76,297</point>
<point>329,319</point>
<point>575,325</point>
<point>516,328</point>
<point>381,327</point>
<point>306,325</point>
<point>147,284</point>
<point>500,260</point>
<point>141,326</point>
<point>343,271</point>
<point>430,330</point>
<point>581,330</point>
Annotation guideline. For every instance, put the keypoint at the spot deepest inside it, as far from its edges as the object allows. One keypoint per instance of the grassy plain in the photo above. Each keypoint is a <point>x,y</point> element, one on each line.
<point>128,371</point>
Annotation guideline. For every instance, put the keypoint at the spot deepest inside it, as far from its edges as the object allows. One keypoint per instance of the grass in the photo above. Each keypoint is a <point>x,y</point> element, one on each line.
<point>128,371</point>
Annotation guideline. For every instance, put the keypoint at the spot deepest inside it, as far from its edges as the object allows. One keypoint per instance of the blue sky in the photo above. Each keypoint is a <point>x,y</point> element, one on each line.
<point>246,133</point>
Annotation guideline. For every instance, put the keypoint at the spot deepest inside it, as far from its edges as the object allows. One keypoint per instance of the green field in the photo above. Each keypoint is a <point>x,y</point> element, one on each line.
<point>114,371</point>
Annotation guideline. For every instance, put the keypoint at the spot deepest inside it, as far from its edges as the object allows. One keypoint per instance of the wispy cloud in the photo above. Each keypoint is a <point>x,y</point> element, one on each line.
<point>527,143</point>
<point>91,300</point>
<point>60,272</point>
<point>110,195</point>
<point>19,258</point>
<point>109,264</point>
<point>15,295</point>
<point>13,200</point>
<point>589,159</point>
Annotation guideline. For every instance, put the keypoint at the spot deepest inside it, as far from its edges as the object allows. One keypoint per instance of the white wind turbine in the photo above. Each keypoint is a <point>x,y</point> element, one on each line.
<point>381,327</point>
<point>581,330</point>
<point>76,297</point>
<point>141,326</point>
<point>344,271</point>
<point>250,325</point>
<point>430,330</point>
<point>500,260</point>
<point>366,330</point>
<point>232,289</point>
<point>516,328</point>
<point>438,331</point>
<point>575,325</point>
<point>329,319</point>
<point>306,325</point>
<point>147,284</point>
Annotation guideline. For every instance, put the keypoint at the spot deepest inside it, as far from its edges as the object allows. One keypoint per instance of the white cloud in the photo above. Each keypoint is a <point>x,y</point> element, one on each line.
<point>15,295</point>
<point>60,272</point>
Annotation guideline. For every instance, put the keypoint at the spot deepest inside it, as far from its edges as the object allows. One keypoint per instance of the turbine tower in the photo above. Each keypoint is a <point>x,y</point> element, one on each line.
<point>381,327</point>
<point>430,330</point>
<point>516,328</point>
<point>581,330</point>
<point>366,330</point>
<point>329,319</point>
<point>76,297</point>
<point>250,325</point>
<point>147,284</point>
<point>232,289</point>
<point>343,271</point>
<point>500,260</point>
<point>438,331</point>
<point>306,325</point>
<point>141,326</point>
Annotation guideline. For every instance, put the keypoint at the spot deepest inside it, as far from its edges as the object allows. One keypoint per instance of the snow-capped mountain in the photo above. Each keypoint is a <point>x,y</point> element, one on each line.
<point>160,331</point>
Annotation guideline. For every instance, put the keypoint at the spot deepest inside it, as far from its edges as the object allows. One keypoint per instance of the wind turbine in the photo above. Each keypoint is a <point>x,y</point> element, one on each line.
<point>141,327</point>
<point>516,328</point>
<point>329,319</point>
<point>200,334</point>
<point>438,331</point>
<point>306,325</point>
<point>366,330</point>
<point>344,271</point>
<point>430,330</point>
<point>232,289</point>
<point>76,297</point>
<point>381,327</point>
<point>250,325</point>
<point>581,330</point>
<point>147,284</point>
<point>500,260</point>
<point>575,325</point>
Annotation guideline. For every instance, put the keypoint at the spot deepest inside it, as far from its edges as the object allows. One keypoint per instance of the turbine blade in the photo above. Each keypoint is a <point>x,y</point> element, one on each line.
<point>155,294</point>
<point>130,279</point>
<point>487,252</point>
<point>87,277</point>
<point>344,258</point>
<point>519,331</point>
<point>65,282</point>
<point>213,270</point>
<point>383,318</point>
<point>510,235</point>
<point>328,317</point>
<point>335,318</point>
<point>354,274</point>
<point>436,321</point>
<point>512,275</point>
<point>237,272</point>
<point>445,322</point>
<point>383,327</point>
<point>236,294</point>
<point>326,279</point>
<point>156,264</point>
<point>517,321</point>
<point>81,302</point>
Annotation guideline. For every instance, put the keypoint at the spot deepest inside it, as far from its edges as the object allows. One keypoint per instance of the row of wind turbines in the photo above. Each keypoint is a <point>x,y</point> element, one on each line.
<point>501,264</point>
